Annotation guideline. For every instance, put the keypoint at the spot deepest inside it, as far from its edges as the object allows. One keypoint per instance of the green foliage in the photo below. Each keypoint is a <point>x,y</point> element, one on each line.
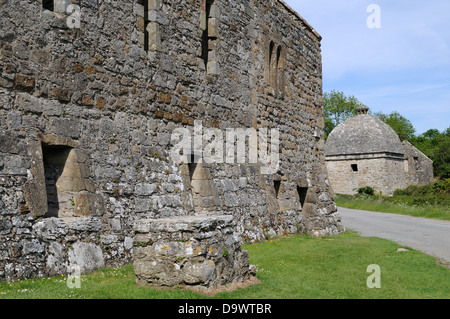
<point>430,201</point>
<point>338,108</point>
<point>432,194</point>
<point>436,145</point>
<point>400,124</point>
<point>394,205</point>
<point>441,187</point>
<point>366,190</point>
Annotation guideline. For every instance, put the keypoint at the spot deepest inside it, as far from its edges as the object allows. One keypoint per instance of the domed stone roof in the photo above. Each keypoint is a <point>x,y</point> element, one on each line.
<point>363,134</point>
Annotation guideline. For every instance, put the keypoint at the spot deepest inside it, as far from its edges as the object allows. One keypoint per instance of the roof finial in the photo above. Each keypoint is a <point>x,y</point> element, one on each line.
<point>362,109</point>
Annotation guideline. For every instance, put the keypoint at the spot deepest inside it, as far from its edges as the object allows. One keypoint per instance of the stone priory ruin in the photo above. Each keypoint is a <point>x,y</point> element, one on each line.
<point>90,97</point>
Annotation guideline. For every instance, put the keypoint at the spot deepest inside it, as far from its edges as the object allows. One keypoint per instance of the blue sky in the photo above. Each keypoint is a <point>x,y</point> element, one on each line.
<point>403,66</point>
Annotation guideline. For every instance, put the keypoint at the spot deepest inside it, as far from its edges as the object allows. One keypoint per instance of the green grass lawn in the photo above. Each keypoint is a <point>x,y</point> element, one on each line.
<point>380,204</point>
<point>289,268</point>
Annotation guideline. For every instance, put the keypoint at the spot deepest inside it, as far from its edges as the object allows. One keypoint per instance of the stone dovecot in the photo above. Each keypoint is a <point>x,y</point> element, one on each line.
<point>364,151</point>
<point>91,94</point>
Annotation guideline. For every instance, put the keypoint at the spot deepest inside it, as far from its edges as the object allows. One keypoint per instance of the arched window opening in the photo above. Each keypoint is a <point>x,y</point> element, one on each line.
<point>276,67</point>
<point>280,70</point>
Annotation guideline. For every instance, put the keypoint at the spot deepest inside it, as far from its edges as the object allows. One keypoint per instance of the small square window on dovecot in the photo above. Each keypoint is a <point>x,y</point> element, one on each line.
<point>355,167</point>
<point>48,5</point>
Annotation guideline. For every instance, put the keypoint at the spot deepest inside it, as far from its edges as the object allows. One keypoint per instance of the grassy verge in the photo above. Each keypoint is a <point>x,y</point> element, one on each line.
<point>298,267</point>
<point>393,205</point>
<point>429,201</point>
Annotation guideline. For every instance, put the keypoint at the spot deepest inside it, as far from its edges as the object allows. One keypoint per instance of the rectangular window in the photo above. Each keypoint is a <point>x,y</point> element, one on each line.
<point>355,167</point>
<point>61,186</point>
<point>48,5</point>
<point>70,191</point>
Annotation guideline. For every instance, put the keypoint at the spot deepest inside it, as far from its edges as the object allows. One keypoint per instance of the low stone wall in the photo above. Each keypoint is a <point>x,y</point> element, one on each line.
<point>194,251</point>
<point>53,246</point>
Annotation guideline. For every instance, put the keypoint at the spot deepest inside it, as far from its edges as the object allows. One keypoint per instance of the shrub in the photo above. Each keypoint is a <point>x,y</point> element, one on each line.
<point>366,191</point>
<point>434,194</point>
<point>442,186</point>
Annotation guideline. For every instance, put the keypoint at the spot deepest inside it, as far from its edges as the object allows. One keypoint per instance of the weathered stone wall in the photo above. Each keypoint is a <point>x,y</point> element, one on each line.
<point>346,180</point>
<point>418,167</point>
<point>394,176</point>
<point>114,90</point>
<point>382,173</point>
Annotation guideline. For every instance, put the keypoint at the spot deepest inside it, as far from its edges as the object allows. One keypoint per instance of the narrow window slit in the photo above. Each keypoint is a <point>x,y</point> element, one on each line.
<point>209,36</point>
<point>302,193</point>
<point>276,185</point>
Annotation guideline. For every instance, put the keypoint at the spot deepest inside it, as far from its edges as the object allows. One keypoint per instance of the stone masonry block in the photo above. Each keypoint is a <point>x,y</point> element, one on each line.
<point>200,251</point>
<point>154,36</point>
<point>213,28</point>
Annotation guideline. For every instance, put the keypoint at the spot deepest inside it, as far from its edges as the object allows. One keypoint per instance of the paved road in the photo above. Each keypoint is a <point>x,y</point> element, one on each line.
<point>430,236</point>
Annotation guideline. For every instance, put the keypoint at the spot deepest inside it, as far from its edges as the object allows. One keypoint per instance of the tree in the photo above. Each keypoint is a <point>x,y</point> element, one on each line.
<point>441,158</point>
<point>400,124</point>
<point>447,132</point>
<point>436,146</point>
<point>338,108</point>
